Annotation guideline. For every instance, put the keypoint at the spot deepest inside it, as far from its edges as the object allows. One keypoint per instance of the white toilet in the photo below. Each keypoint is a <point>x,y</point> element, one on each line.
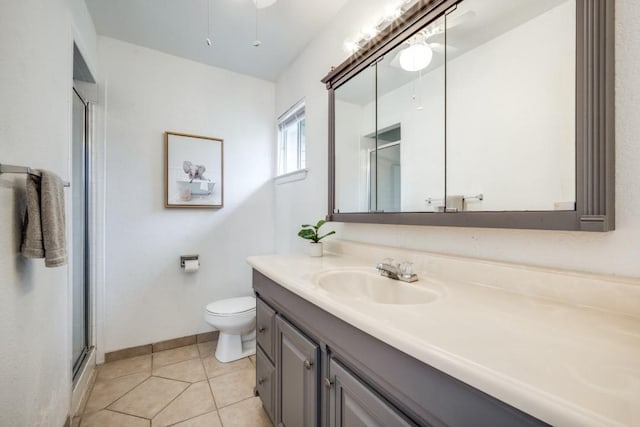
<point>235,318</point>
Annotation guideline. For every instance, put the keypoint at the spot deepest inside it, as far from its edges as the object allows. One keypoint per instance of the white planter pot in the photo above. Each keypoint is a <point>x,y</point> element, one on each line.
<point>315,249</point>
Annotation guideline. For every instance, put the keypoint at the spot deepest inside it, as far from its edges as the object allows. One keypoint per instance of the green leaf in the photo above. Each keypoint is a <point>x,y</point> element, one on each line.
<point>328,234</point>
<point>308,234</point>
<point>310,231</point>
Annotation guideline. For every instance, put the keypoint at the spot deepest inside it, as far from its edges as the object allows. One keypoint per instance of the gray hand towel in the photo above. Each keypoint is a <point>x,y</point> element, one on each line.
<point>32,245</point>
<point>45,227</point>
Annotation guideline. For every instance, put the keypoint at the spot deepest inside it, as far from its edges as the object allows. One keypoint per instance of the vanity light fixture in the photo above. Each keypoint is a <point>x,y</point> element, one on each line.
<point>391,12</point>
<point>416,57</point>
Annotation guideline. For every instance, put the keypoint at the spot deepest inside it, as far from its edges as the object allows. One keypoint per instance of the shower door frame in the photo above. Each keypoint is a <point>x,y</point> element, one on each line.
<point>78,363</point>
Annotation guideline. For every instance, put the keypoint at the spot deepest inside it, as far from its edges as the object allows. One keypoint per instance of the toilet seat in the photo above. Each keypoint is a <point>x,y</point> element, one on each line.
<point>232,306</point>
<point>235,318</point>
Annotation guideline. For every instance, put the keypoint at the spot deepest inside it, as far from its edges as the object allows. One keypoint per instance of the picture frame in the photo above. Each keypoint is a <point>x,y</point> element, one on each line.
<point>194,171</point>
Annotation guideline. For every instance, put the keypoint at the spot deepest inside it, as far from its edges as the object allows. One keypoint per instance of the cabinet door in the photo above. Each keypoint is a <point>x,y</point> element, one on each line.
<point>297,377</point>
<point>353,404</point>
<point>265,323</point>
<point>265,382</point>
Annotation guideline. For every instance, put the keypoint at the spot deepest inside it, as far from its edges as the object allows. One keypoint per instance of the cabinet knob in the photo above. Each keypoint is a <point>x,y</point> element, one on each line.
<point>261,381</point>
<point>308,364</point>
<point>261,329</point>
<point>328,383</point>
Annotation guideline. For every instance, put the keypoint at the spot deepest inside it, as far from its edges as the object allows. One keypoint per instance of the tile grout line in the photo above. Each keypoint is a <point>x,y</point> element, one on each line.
<point>183,391</point>
<point>101,367</point>
<point>124,413</point>
<point>251,365</point>
<point>174,363</point>
<point>196,416</point>
<point>235,403</point>
<point>147,379</point>
<point>170,402</point>
<point>187,360</point>
<point>118,398</point>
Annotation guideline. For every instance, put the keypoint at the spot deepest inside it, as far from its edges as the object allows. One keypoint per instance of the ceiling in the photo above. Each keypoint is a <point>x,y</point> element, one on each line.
<point>180,27</point>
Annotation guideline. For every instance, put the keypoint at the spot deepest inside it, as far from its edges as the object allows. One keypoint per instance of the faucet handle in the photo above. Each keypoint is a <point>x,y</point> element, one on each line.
<point>407,272</point>
<point>390,261</point>
<point>406,269</point>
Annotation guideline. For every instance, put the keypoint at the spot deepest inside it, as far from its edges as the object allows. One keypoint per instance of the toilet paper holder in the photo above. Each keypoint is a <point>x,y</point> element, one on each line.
<point>184,258</point>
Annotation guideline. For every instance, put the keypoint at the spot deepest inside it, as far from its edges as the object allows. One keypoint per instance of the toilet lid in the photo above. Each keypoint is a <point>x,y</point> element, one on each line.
<point>232,305</point>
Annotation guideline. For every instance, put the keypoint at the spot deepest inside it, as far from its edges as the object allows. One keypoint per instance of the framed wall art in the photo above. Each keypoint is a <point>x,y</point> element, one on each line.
<point>193,171</point>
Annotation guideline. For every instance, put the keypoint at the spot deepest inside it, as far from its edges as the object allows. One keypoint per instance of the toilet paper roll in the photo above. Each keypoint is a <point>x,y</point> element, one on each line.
<point>191,266</point>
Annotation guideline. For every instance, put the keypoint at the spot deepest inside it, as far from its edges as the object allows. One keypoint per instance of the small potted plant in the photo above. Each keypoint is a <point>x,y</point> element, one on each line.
<point>310,232</point>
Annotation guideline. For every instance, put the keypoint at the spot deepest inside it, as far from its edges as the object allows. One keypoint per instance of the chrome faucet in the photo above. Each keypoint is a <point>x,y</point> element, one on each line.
<point>397,271</point>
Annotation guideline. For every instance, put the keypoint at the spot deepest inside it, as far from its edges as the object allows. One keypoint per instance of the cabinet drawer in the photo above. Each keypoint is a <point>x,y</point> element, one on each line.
<point>266,382</point>
<point>352,403</point>
<point>265,326</point>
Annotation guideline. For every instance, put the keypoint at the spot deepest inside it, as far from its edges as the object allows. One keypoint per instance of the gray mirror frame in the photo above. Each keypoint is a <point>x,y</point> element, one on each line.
<point>595,126</point>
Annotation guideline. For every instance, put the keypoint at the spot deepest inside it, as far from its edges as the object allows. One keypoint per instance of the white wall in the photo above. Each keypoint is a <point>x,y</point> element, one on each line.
<point>84,33</point>
<point>36,70</point>
<point>305,201</point>
<point>147,296</point>
<point>615,252</point>
<point>520,158</point>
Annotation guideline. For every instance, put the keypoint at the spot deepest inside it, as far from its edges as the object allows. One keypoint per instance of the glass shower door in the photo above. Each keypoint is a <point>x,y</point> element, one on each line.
<point>79,253</point>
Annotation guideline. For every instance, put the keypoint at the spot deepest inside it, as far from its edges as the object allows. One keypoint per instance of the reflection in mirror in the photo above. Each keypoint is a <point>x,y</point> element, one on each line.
<point>385,191</point>
<point>389,148</point>
<point>511,105</point>
<point>355,137</point>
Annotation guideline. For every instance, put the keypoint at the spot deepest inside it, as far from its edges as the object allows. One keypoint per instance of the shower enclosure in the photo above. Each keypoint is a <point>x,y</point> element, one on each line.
<point>80,233</point>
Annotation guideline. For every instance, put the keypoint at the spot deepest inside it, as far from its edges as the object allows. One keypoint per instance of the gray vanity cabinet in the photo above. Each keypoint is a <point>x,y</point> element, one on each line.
<point>265,325</point>
<point>266,382</point>
<point>353,404</point>
<point>265,358</point>
<point>329,373</point>
<point>297,377</point>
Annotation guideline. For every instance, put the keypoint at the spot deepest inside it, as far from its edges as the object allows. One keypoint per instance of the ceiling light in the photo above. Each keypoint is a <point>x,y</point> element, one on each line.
<point>261,4</point>
<point>415,57</point>
<point>369,32</point>
<point>350,46</point>
<point>392,11</point>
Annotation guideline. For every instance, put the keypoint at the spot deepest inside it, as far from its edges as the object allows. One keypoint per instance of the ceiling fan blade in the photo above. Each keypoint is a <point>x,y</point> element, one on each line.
<point>463,18</point>
<point>439,48</point>
<point>395,62</point>
<point>451,23</point>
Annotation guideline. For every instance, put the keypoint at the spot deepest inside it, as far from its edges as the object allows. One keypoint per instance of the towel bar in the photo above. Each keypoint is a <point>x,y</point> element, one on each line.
<point>480,196</point>
<point>23,169</point>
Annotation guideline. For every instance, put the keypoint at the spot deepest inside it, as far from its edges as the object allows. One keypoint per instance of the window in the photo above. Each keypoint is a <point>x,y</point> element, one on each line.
<point>291,140</point>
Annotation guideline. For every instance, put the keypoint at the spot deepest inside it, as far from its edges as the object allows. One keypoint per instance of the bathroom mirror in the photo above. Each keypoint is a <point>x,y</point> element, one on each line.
<point>487,113</point>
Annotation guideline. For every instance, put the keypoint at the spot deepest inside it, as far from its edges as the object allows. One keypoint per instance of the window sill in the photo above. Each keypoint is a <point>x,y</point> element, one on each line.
<point>285,178</point>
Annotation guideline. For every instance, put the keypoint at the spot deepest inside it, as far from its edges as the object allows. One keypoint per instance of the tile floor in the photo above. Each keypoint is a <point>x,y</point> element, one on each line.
<point>184,387</point>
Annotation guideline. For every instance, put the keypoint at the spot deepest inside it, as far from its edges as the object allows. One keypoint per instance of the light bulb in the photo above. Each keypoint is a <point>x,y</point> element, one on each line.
<point>369,32</point>
<point>350,46</point>
<point>392,11</point>
<point>415,57</point>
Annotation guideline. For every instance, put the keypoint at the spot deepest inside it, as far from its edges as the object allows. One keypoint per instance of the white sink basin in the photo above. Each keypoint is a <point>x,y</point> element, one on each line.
<point>370,286</point>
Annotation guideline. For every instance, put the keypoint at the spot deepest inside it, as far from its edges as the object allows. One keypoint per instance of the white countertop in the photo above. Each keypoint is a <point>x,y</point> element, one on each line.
<point>564,364</point>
